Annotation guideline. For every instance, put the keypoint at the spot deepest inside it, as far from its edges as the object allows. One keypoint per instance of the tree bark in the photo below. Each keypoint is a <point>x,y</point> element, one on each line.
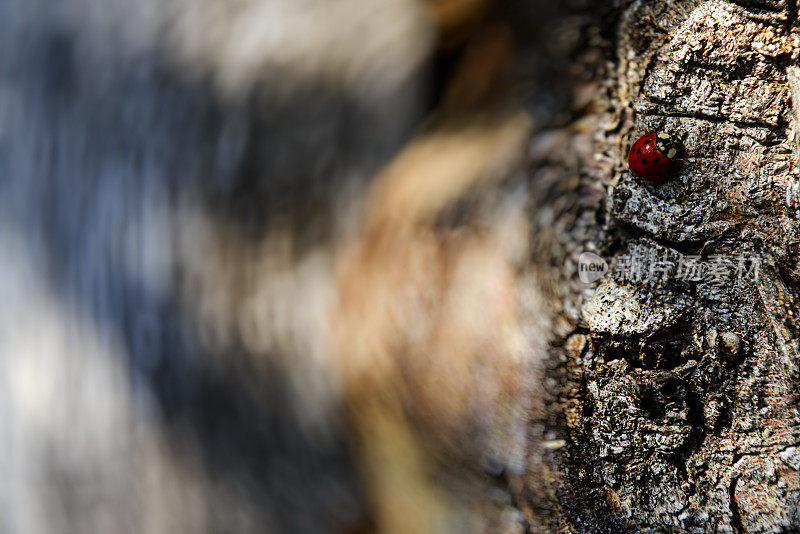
<point>677,393</point>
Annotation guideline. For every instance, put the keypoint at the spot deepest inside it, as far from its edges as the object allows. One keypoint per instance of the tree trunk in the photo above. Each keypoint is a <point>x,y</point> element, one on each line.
<point>677,373</point>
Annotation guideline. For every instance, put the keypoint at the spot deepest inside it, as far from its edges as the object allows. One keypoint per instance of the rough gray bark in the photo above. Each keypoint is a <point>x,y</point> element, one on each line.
<point>678,398</point>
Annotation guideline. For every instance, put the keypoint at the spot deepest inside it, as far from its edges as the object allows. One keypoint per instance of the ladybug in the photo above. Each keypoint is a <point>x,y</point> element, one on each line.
<point>651,155</point>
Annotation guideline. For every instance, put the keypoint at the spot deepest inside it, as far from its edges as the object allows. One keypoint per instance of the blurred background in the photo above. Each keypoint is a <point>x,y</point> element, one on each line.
<point>266,265</point>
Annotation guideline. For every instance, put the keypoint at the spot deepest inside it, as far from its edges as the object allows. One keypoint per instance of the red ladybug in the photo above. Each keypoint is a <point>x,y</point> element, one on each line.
<point>651,155</point>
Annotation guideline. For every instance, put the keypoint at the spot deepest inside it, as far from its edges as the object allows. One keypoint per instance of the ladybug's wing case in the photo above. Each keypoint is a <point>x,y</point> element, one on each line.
<point>641,147</point>
<point>653,165</point>
<point>645,160</point>
<point>645,144</point>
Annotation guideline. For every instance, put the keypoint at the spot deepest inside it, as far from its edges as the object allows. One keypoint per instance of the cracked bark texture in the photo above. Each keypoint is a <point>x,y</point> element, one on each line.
<point>677,398</point>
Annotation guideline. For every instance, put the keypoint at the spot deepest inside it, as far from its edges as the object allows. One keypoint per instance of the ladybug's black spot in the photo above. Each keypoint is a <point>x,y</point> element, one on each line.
<point>644,160</point>
<point>638,150</point>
